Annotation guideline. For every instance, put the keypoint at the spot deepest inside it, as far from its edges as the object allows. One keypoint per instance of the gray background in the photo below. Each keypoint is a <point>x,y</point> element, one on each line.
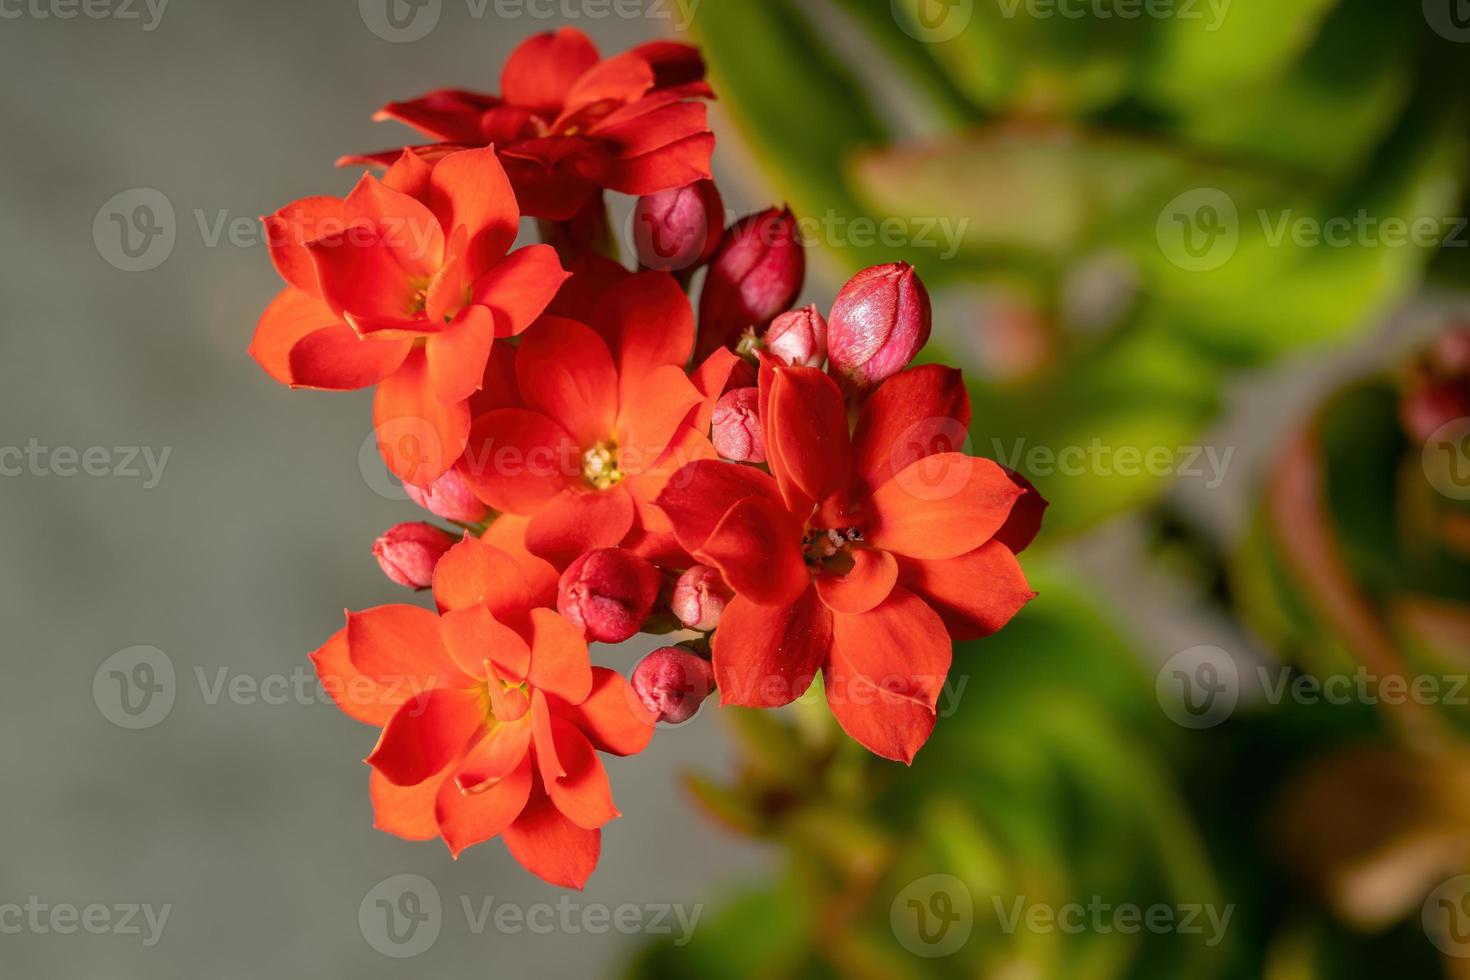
<point>252,819</point>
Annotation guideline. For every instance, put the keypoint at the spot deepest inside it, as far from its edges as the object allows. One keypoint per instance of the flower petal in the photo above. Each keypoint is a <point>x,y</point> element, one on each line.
<point>873,575</point>
<point>916,413</point>
<point>701,493</point>
<point>559,659</point>
<point>807,444</point>
<point>426,733</point>
<point>469,190</point>
<point>767,656</point>
<point>298,222</point>
<point>357,694</point>
<point>646,424</point>
<point>475,573</point>
<point>457,356</point>
<point>508,533</point>
<point>469,818</point>
<point>576,520</point>
<point>419,436</point>
<point>550,846</point>
<point>405,811</point>
<point>472,635</point>
<point>398,648</point>
<point>543,69</point>
<point>976,593</point>
<point>497,755</point>
<point>611,716</point>
<point>940,506</point>
<point>338,359</point>
<point>884,677</point>
<point>517,460</point>
<point>519,287</point>
<point>648,323</point>
<point>582,792</point>
<point>566,373</point>
<point>757,548</point>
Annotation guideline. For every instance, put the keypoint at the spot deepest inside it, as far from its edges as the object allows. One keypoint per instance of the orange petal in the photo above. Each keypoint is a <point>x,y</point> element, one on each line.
<point>357,694</point>
<point>291,316</point>
<point>474,573</point>
<point>338,359</point>
<point>430,730</point>
<point>519,287</point>
<point>405,811</point>
<point>508,533</point>
<point>757,548</point>
<point>976,593</point>
<point>298,222</point>
<point>404,226</point>
<point>550,846</point>
<point>559,658</point>
<point>767,656</point>
<point>457,356</point>
<point>398,647</point>
<point>575,521</point>
<point>469,190</point>
<point>543,69</point>
<point>472,636</point>
<point>582,791</point>
<point>495,756</point>
<point>807,444</point>
<point>611,716</point>
<point>419,436</point>
<point>873,575</point>
<point>646,424</point>
<point>466,819</point>
<point>702,492</point>
<point>649,323</point>
<point>516,460</point>
<point>885,674</point>
<point>940,506</point>
<point>916,413</point>
<point>565,372</point>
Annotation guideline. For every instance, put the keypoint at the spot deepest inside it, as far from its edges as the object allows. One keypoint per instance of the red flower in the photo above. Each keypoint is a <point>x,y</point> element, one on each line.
<point>862,556</point>
<point>603,422</point>
<point>492,716</point>
<point>405,284</point>
<point>568,123</point>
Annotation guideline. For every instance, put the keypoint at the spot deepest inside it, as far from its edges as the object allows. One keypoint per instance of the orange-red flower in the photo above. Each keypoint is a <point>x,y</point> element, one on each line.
<point>604,420</point>
<point>861,555</point>
<point>568,122</point>
<point>405,284</point>
<point>492,717</point>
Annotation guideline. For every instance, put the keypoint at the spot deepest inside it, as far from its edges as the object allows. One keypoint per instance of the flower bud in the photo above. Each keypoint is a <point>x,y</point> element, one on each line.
<point>407,553</point>
<point>672,683</point>
<point>878,324</point>
<point>608,593</point>
<point>1438,389</point>
<point>679,229</point>
<point>799,338</point>
<point>735,426</point>
<point>449,497</point>
<point>757,274</point>
<point>700,597</point>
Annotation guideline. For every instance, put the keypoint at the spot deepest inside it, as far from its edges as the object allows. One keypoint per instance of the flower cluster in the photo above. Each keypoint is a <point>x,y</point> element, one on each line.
<point>777,489</point>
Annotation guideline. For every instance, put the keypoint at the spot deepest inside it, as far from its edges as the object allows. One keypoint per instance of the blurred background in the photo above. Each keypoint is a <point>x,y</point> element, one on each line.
<point>1204,262</point>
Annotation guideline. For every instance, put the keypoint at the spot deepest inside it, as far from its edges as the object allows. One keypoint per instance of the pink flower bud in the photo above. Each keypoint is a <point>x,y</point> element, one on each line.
<point>700,597</point>
<point>680,228</point>
<point>879,323</point>
<point>449,497</point>
<point>407,553</point>
<point>672,683</point>
<point>735,426</point>
<point>608,593</point>
<point>757,274</point>
<point>799,337</point>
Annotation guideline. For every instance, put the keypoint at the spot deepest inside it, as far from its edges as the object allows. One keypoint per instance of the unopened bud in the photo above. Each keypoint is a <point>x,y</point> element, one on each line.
<point>608,593</point>
<point>880,321</point>
<point>407,553</point>
<point>735,426</point>
<point>680,228</point>
<point>700,597</point>
<point>1438,391</point>
<point>799,337</point>
<point>672,683</point>
<point>449,497</point>
<point>756,275</point>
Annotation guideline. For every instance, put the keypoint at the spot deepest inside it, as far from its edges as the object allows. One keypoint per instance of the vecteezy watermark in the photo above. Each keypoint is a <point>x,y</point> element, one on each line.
<point>933,916</point>
<point>135,229</point>
<point>138,687</point>
<point>1450,19</point>
<point>1207,463</point>
<point>933,21</point>
<point>404,21</point>
<point>42,918</point>
<point>1202,686</point>
<point>1100,917</point>
<point>1446,459</point>
<point>148,12</point>
<point>1200,230</point>
<point>403,916</point>
<point>1446,917</point>
<point>65,462</point>
<point>1212,12</point>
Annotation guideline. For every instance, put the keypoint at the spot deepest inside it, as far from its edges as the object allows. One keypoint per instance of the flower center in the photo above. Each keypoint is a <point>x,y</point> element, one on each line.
<point>830,549</point>
<point>600,465</point>
<point>419,300</point>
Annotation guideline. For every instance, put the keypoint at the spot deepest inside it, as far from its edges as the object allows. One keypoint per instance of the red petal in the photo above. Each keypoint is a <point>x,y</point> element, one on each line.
<point>409,175</point>
<point>806,434</point>
<point>469,190</point>
<point>575,521</point>
<point>651,415</point>
<point>508,533</point>
<point>358,695</point>
<point>450,115</point>
<point>467,819</point>
<point>473,573</point>
<point>426,733</point>
<point>916,413</point>
<point>675,165</point>
<point>766,656</point>
<point>583,793</point>
<point>337,359</point>
<point>711,378</point>
<point>976,593</point>
<point>300,221</point>
<point>472,635</point>
<point>498,384</point>
<point>940,506</point>
<point>757,548</point>
<point>1024,522</point>
<point>566,373</point>
<point>559,661</point>
<point>540,73</point>
<point>648,323</point>
<point>399,648</point>
<point>550,846</point>
<point>457,356</point>
<point>701,493</point>
<point>517,460</point>
<point>593,277</point>
<point>404,225</point>
<point>873,575</point>
<point>295,318</point>
<point>419,436</point>
<point>519,287</point>
<point>622,78</point>
<point>405,811</point>
<point>612,717</point>
<point>885,674</point>
<point>497,755</point>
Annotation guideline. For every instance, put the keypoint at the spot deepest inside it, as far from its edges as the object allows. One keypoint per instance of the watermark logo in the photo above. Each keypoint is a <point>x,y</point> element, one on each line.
<point>1446,459</point>
<point>135,230</point>
<point>1446,917</point>
<point>148,12</point>
<point>1199,230</point>
<point>933,21</point>
<point>933,916</point>
<point>1101,917</point>
<point>401,916</point>
<point>135,688</point>
<point>1199,687</point>
<point>1450,19</point>
<point>400,21</point>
